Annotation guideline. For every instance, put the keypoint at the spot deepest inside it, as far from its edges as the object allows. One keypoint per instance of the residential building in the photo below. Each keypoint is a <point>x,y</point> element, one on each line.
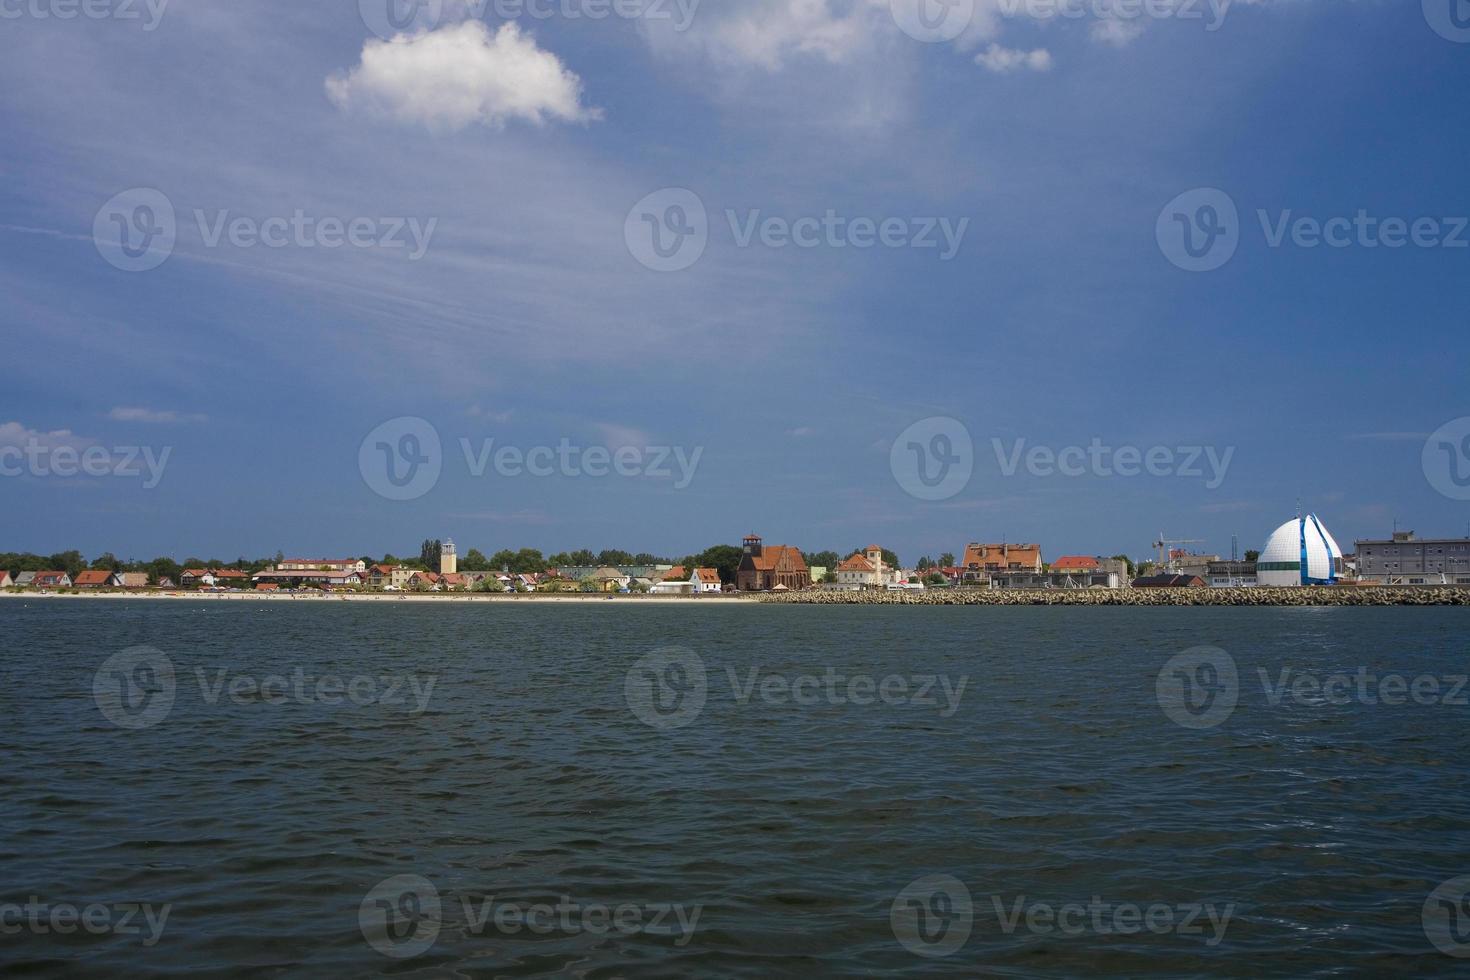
<point>166,583</point>
<point>196,576</point>
<point>1055,580</point>
<point>230,576</point>
<point>1231,574</point>
<point>293,578</point>
<point>765,567</point>
<point>52,580</point>
<point>96,578</point>
<point>706,580</point>
<point>1406,559</point>
<point>1169,582</point>
<point>983,559</point>
<point>133,580</point>
<point>864,569</point>
<point>321,565</point>
<point>25,579</point>
<point>5,580</point>
<point>1074,564</point>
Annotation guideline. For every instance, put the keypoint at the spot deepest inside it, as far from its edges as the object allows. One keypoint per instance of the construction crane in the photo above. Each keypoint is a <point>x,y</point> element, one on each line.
<point>1164,542</point>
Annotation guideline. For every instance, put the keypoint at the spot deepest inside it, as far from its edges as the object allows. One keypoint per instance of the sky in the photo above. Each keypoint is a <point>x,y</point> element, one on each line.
<point>335,277</point>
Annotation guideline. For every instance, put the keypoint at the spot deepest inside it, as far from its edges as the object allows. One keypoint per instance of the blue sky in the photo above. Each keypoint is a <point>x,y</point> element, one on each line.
<point>529,319</point>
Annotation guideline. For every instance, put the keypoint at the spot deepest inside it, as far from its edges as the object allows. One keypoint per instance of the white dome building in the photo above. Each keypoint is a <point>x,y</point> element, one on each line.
<point>1300,552</point>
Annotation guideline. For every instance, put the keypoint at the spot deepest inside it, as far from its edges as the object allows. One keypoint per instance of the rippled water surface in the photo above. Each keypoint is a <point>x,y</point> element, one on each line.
<point>264,821</point>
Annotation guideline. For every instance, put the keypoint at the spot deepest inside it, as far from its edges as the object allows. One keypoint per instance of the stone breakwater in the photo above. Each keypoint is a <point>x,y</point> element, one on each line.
<point>1326,596</point>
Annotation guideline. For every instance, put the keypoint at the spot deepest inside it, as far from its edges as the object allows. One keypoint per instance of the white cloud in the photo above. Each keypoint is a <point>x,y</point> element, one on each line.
<point>15,434</point>
<point>459,75</point>
<point>1003,60</point>
<point>124,414</point>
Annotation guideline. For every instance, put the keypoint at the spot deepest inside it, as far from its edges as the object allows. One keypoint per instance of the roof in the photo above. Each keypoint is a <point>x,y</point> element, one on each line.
<point>196,572</point>
<point>709,576</point>
<point>1001,554</point>
<point>873,547</point>
<point>1168,582</point>
<point>1074,562</point>
<point>678,571</point>
<point>771,556</point>
<point>49,576</point>
<point>856,563</point>
<point>267,586</point>
<point>97,576</point>
<point>134,580</point>
<point>229,573</point>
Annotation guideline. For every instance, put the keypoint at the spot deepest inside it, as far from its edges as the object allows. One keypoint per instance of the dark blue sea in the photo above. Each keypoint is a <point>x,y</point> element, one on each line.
<point>716,788</point>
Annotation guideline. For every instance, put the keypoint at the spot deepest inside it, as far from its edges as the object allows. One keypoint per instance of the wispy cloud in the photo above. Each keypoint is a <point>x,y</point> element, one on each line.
<point>1389,436</point>
<point>154,416</point>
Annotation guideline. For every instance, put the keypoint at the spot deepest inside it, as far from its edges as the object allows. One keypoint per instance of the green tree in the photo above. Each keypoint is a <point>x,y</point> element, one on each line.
<point>946,560</point>
<point>822,559</point>
<point>475,561</point>
<point>106,561</point>
<point>1252,555</point>
<point>430,553</point>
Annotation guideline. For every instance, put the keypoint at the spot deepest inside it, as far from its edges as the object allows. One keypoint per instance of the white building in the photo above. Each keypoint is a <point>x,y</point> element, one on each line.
<point>864,569</point>
<point>1300,552</point>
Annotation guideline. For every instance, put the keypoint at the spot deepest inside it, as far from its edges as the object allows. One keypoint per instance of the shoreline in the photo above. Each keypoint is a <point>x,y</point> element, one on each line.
<point>1258,596</point>
<point>373,597</point>
<point>1442,595</point>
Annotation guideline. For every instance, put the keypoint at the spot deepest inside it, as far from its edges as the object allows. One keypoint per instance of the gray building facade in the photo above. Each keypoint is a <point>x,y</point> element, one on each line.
<point>1406,559</point>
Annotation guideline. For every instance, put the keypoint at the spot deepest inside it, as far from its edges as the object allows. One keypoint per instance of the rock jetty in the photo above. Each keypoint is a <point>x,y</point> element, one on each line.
<point>1320,596</point>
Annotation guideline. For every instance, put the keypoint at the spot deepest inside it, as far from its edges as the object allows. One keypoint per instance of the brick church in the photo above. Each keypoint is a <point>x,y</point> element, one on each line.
<point>763,567</point>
